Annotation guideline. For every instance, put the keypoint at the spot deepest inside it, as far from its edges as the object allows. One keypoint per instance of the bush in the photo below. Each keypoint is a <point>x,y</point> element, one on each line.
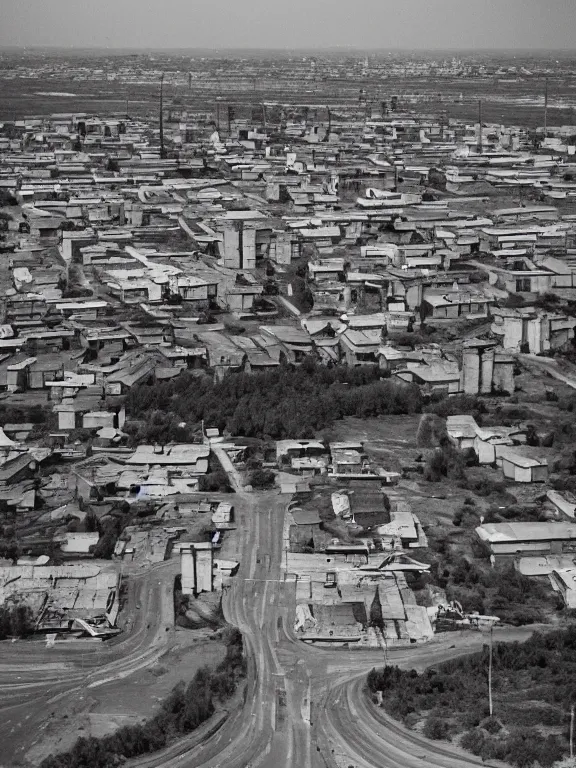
<point>185,708</point>
<point>534,685</point>
<point>214,481</point>
<point>431,430</point>
<point>437,729</point>
<point>445,461</point>
<point>455,405</point>
<point>262,478</point>
<point>16,621</point>
<point>284,403</point>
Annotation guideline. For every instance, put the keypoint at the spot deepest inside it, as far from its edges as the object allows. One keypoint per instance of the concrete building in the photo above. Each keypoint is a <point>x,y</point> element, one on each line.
<point>522,469</point>
<point>532,330</point>
<point>564,581</point>
<point>509,541</point>
<point>197,567</point>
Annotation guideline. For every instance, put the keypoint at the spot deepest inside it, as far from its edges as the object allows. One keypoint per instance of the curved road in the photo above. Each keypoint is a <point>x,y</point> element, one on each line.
<point>303,707</point>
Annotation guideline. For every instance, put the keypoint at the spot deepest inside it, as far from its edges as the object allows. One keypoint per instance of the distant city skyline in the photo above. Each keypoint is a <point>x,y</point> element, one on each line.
<point>266,24</point>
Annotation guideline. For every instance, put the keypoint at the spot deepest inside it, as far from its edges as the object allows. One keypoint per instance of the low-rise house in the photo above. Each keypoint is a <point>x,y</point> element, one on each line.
<point>521,277</point>
<point>491,442</point>
<point>432,376</point>
<point>509,541</point>
<point>185,458</point>
<point>349,460</point>
<point>79,544</point>
<point>462,431</point>
<point>484,369</point>
<point>288,450</point>
<point>360,347</point>
<point>521,468</point>
<point>456,305</point>
<point>295,343</point>
<point>564,581</point>
<point>194,290</point>
<point>532,330</point>
<point>21,467</point>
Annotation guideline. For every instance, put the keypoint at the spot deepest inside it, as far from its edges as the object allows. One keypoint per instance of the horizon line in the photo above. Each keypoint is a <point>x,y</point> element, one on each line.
<point>351,47</point>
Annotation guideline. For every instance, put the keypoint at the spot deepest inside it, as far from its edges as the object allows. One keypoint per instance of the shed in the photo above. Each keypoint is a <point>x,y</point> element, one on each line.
<point>522,469</point>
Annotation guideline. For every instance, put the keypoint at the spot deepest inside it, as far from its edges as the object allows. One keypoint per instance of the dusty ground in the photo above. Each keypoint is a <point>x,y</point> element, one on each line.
<point>103,709</point>
<point>516,103</point>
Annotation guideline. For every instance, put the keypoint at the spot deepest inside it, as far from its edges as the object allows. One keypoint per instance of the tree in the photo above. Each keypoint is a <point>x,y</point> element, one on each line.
<point>262,479</point>
<point>376,615</point>
<point>104,549</point>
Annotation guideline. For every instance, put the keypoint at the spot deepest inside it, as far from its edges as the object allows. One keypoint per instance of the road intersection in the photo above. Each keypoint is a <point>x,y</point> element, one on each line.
<point>303,707</point>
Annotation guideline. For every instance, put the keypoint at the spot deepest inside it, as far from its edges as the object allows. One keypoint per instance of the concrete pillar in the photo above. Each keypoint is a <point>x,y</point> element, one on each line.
<point>249,249</point>
<point>487,370</point>
<point>471,371</point>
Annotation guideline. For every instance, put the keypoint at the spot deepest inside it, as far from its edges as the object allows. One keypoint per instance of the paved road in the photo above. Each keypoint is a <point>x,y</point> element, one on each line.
<point>304,707</point>
<point>551,367</point>
<point>36,680</point>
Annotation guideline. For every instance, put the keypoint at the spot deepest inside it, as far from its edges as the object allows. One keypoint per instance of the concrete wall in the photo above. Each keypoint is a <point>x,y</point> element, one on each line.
<point>249,249</point>
<point>196,568</point>
<point>283,252</point>
<point>66,420</point>
<point>204,562</point>
<point>503,377</point>
<point>230,246</point>
<point>187,571</point>
<point>485,451</point>
<point>471,371</point>
<point>512,333</point>
<point>487,371</point>
<point>536,335</point>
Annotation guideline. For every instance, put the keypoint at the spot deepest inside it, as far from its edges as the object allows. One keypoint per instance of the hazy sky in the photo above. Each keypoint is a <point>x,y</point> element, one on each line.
<point>290,23</point>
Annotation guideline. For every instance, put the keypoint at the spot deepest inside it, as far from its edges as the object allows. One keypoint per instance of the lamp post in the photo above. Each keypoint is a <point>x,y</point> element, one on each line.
<point>490,707</point>
<point>162,150</point>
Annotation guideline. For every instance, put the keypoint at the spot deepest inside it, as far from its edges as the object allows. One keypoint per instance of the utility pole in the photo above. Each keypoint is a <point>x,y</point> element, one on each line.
<point>545,107</point>
<point>480,147</point>
<point>490,707</point>
<point>162,151</point>
<point>572,732</point>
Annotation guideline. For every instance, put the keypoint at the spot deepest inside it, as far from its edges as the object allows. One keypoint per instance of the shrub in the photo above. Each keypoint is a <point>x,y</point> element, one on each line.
<point>430,430</point>
<point>184,709</point>
<point>262,478</point>
<point>534,683</point>
<point>286,402</point>
<point>437,729</point>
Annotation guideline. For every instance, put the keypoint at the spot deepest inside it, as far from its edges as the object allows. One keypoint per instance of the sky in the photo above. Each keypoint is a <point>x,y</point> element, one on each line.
<point>380,24</point>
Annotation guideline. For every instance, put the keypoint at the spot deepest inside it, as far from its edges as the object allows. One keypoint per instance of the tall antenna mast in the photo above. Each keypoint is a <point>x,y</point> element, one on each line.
<point>480,143</point>
<point>490,707</point>
<point>162,150</point>
<point>545,107</point>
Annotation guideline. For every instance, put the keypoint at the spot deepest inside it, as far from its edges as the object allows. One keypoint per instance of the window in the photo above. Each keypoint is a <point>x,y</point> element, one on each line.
<point>523,285</point>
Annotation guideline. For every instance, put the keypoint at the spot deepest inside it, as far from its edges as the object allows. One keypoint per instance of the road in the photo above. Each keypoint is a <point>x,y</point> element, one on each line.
<point>550,366</point>
<point>304,707</point>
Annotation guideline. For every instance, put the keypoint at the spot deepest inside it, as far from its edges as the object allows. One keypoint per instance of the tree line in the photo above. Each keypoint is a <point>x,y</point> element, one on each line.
<point>287,402</point>
<point>187,707</point>
<point>16,621</point>
<point>534,686</point>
